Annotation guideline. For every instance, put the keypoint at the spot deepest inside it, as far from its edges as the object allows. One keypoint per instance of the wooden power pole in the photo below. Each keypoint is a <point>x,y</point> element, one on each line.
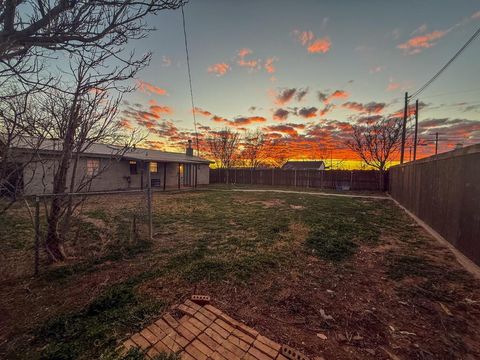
<point>436,143</point>
<point>404,128</point>
<point>416,132</point>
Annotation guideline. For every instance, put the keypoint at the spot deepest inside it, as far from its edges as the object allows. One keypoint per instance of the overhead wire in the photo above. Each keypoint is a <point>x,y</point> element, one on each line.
<point>449,62</point>
<point>190,80</point>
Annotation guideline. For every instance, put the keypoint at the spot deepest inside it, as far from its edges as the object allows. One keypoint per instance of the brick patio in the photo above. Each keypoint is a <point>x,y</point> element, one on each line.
<point>205,332</point>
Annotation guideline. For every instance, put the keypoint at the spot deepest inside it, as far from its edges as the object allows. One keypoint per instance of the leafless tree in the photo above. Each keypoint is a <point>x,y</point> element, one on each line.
<point>253,152</point>
<point>223,147</point>
<point>81,114</point>
<point>21,124</point>
<point>377,142</point>
<point>35,34</point>
<point>278,153</point>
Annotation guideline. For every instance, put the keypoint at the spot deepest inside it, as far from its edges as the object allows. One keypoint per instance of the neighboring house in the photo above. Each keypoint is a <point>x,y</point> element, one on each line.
<point>303,165</point>
<point>105,167</point>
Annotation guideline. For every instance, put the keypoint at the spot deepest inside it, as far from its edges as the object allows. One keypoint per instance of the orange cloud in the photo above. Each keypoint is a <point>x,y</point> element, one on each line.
<point>147,87</point>
<point>304,37</point>
<point>307,39</point>
<point>124,123</point>
<point>308,112</point>
<point>280,114</point>
<point>158,109</point>
<point>241,121</point>
<point>392,86</point>
<point>200,111</point>
<point>337,94</point>
<point>326,109</point>
<point>320,46</point>
<point>418,43</point>
<point>219,69</point>
<point>371,107</point>
<point>251,64</point>
<point>269,65</point>
<point>284,129</point>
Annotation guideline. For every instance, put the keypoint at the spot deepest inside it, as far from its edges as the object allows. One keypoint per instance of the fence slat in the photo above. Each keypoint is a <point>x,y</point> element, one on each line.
<point>324,179</point>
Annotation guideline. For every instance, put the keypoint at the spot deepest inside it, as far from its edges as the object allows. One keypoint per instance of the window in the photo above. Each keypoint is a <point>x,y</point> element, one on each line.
<point>93,165</point>
<point>133,167</point>
<point>153,167</point>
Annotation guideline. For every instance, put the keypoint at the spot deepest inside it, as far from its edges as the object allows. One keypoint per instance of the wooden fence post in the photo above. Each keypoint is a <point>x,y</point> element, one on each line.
<point>273,176</point>
<point>295,177</point>
<point>133,229</point>
<point>37,234</point>
<point>149,205</point>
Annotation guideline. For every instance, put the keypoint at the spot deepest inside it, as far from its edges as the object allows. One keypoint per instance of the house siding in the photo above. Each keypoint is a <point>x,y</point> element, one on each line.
<point>38,176</point>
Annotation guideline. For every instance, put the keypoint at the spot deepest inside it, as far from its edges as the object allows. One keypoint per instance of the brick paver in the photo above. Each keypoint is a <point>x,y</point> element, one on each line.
<point>205,332</point>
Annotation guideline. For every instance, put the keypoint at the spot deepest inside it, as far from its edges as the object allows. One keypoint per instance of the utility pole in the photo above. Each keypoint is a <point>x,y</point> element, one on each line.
<point>416,132</point>
<point>404,128</point>
<point>436,143</point>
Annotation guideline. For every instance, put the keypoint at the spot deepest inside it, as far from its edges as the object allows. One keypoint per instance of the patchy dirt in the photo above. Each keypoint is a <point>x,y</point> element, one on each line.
<point>401,295</point>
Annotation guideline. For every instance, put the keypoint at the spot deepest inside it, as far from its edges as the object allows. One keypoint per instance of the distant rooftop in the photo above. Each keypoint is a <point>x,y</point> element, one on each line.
<point>304,165</point>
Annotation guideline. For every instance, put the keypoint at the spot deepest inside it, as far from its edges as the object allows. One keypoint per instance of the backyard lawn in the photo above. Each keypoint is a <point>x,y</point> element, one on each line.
<point>358,272</point>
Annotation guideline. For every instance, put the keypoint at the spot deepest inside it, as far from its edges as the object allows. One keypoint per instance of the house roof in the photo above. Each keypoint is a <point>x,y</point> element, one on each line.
<point>107,150</point>
<point>303,165</point>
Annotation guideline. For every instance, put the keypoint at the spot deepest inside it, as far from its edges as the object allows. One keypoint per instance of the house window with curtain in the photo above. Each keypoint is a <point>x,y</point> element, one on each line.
<point>93,166</point>
<point>153,167</point>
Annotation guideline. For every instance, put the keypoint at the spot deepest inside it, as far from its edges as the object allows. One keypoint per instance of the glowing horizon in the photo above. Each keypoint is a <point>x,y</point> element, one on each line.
<point>304,73</point>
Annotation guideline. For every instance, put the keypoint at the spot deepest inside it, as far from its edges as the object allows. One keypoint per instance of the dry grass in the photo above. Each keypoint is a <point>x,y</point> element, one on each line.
<point>283,263</point>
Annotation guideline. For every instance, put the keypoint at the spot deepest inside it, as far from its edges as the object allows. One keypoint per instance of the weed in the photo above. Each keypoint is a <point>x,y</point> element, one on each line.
<point>99,214</point>
<point>331,245</point>
<point>91,331</point>
<point>400,267</point>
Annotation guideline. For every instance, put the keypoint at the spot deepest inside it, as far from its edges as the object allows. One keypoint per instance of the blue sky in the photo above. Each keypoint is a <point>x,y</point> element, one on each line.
<point>360,54</point>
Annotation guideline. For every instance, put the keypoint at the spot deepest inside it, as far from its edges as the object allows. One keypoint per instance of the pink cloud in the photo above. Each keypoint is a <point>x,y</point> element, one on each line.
<point>269,65</point>
<point>320,46</point>
<point>304,37</point>
<point>476,15</point>
<point>147,87</point>
<point>337,94</point>
<point>313,45</point>
<point>219,69</point>
<point>251,64</point>
<point>418,43</point>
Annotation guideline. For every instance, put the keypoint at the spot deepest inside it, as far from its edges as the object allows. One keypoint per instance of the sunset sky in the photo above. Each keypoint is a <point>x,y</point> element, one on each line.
<point>304,71</point>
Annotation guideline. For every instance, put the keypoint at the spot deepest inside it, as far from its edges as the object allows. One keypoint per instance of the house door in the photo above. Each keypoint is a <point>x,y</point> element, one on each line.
<point>181,174</point>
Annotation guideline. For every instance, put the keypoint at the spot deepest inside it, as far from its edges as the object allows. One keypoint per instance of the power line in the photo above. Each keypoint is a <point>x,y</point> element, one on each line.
<point>190,81</point>
<point>457,54</point>
<point>451,93</point>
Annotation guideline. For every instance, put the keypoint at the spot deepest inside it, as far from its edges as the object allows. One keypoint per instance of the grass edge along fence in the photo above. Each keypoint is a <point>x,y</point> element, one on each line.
<point>370,180</point>
<point>444,191</point>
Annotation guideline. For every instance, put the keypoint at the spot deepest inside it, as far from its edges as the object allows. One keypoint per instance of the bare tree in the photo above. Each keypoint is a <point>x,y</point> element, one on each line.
<point>278,153</point>
<point>223,147</point>
<point>254,144</point>
<point>377,142</point>
<point>80,116</point>
<point>34,32</point>
<point>21,124</point>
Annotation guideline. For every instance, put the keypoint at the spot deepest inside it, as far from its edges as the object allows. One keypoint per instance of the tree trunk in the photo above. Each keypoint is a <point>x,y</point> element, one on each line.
<point>53,243</point>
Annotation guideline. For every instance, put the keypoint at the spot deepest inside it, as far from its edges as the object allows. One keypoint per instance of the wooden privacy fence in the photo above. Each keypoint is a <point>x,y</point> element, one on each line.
<point>444,191</point>
<point>324,179</point>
